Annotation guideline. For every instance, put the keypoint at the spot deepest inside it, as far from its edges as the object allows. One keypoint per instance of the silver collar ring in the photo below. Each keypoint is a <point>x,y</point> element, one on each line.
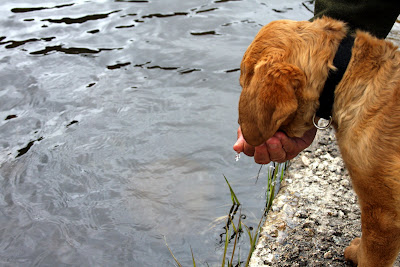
<point>322,127</point>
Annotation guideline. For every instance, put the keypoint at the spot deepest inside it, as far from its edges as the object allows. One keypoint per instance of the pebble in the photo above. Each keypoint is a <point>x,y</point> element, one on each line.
<point>305,160</point>
<point>328,255</point>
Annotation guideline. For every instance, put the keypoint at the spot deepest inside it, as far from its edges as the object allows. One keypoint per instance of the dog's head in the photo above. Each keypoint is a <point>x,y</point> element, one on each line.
<point>282,75</point>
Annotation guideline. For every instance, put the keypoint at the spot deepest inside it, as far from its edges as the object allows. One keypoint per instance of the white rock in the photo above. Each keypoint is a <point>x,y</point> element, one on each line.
<point>305,160</point>
<point>321,167</point>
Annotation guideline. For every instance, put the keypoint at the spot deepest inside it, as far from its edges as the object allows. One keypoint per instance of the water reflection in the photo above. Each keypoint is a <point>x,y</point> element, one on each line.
<point>118,122</point>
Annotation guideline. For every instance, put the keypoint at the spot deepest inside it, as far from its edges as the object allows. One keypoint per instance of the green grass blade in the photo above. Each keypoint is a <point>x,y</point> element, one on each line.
<point>226,245</point>
<point>236,235</point>
<point>170,251</point>
<point>194,262</point>
<point>239,257</point>
<point>233,225</point>
<point>251,244</point>
<point>233,195</point>
<point>259,171</point>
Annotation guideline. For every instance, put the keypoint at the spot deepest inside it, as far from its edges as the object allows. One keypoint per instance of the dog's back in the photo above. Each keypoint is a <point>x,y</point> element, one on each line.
<point>367,114</point>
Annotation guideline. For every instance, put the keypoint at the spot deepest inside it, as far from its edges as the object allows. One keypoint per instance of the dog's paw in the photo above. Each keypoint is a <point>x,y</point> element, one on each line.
<point>350,253</point>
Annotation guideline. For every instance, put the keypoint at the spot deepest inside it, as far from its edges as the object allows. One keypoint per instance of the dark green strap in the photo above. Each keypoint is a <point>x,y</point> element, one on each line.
<point>374,16</point>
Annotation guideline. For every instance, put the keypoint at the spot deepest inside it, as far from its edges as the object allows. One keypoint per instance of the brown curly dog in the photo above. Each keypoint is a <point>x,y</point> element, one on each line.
<point>282,75</point>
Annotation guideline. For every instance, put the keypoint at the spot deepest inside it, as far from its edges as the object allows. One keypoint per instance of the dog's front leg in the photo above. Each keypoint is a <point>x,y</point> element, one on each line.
<point>380,242</point>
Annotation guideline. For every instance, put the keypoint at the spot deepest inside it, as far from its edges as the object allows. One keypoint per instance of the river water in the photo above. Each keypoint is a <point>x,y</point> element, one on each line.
<point>117,120</point>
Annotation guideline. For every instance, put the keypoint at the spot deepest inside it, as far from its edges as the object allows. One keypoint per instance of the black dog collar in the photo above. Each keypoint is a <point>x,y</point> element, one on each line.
<point>341,61</point>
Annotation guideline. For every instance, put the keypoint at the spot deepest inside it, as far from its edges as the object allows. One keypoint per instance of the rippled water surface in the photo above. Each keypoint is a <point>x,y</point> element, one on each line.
<point>117,120</point>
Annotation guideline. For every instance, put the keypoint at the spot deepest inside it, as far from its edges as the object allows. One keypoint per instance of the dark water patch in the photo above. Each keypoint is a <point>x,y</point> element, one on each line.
<point>129,15</point>
<point>2,38</point>
<point>28,9</point>
<point>14,44</point>
<point>29,20</point>
<point>24,150</point>
<point>205,33</point>
<point>159,15</point>
<point>125,26</point>
<point>142,65</point>
<point>242,21</point>
<point>31,9</point>
<point>93,31</point>
<point>206,10</point>
<point>133,1</point>
<point>162,68</point>
<point>47,39</point>
<point>249,21</point>
<point>232,70</point>
<point>284,10</point>
<point>224,1</point>
<point>180,71</point>
<point>90,85</point>
<point>9,117</point>
<point>72,123</point>
<point>69,50</point>
<point>81,19</point>
<point>118,66</point>
<point>187,71</point>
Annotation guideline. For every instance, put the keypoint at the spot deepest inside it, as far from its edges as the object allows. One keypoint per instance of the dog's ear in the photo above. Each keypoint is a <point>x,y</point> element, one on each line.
<point>269,100</point>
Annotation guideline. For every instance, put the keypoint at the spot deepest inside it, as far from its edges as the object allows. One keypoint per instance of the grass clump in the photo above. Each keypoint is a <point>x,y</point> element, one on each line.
<point>234,231</point>
<point>274,178</point>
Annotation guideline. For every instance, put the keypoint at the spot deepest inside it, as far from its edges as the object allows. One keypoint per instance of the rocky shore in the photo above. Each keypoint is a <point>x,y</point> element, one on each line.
<point>315,215</point>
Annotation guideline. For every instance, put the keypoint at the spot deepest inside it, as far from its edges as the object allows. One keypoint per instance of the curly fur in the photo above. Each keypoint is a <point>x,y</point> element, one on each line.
<point>282,75</point>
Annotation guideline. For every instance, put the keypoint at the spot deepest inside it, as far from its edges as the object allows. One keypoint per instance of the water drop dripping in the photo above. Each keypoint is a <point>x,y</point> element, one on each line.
<point>237,157</point>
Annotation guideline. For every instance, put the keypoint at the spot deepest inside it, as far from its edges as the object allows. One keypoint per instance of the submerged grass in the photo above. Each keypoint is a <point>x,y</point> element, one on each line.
<point>275,176</point>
